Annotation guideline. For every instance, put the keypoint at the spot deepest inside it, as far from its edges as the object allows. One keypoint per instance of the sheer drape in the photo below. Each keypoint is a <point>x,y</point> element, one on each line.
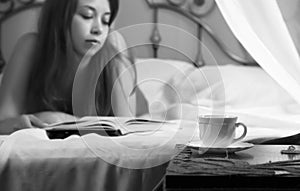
<point>261,29</point>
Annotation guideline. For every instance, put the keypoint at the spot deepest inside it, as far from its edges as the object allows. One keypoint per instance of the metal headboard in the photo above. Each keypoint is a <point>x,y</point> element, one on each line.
<point>194,10</point>
<point>10,8</point>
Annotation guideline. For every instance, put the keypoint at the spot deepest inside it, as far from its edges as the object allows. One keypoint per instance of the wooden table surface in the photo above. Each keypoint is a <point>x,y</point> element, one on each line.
<point>259,154</point>
<point>265,153</point>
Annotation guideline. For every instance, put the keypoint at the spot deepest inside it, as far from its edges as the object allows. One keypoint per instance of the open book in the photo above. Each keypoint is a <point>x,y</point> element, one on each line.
<point>105,126</point>
<point>83,126</point>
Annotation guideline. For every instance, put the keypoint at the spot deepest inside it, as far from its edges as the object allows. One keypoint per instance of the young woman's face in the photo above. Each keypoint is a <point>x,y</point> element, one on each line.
<point>89,28</point>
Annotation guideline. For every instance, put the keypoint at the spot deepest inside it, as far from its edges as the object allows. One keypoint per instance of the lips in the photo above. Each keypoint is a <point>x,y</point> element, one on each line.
<point>93,41</point>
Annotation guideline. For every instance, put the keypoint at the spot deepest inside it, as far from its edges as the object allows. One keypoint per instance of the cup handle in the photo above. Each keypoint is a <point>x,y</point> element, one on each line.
<point>244,134</point>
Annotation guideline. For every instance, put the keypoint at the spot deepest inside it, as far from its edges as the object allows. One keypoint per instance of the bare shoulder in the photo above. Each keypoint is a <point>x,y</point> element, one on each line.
<point>28,37</point>
<point>16,77</point>
<point>27,40</point>
<point>22,55</point>
<point>21,60</point>
<point>23,51</point>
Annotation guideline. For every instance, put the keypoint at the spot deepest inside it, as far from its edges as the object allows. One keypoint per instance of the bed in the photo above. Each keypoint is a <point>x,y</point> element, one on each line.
<point>240,86</point>
<point>177,90</point>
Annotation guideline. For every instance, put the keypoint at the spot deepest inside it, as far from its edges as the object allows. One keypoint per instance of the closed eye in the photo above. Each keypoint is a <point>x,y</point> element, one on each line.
<point>87,12</point>
<point>86,16</point>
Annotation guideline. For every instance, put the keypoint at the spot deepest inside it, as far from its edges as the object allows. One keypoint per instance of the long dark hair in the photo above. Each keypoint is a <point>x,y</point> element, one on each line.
<point>50,61</point>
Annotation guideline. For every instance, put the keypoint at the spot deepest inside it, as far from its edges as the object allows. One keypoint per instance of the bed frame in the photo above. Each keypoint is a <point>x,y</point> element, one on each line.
<point>194,10</point>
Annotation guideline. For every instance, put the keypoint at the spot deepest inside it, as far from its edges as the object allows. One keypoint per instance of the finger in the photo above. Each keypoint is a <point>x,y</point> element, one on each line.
<point>36,122</point>
<point>68,117</point>
<point>25,122</point>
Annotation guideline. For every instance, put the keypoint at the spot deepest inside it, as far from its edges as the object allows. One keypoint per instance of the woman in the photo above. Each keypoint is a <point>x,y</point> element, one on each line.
<point>37,86</point>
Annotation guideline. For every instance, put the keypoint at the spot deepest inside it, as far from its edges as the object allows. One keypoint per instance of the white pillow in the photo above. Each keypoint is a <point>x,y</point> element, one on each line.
<point>233,86</point>
<point>244,86</point>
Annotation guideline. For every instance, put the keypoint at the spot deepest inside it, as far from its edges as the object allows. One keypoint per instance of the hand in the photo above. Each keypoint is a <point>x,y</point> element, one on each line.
<point>10,125</point>
<point>184,88</point>
<point>50,117</point>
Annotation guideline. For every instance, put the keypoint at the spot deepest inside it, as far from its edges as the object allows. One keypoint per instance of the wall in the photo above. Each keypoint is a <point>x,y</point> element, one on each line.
<point>137,18</point>
<point>291,14</point>
<point>15,27</point>
<point>137,12</point>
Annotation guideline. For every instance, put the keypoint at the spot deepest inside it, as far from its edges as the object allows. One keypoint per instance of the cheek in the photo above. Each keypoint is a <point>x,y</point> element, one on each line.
<point>104,35</point>
<point>78,33</point>
<point>79,29</point>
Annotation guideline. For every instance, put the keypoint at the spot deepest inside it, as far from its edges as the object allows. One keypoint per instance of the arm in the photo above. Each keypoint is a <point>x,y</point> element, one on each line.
<point>127,99</point>
<point>124,101</point>
<point>15,79</point>
<point>14,86</point>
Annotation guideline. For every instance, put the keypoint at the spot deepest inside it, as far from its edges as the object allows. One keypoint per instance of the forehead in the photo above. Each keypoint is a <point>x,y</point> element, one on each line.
<point>100,5</point>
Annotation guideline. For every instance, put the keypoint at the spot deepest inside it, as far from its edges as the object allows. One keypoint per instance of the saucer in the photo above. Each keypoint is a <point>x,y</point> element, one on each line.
<point>235,147</point>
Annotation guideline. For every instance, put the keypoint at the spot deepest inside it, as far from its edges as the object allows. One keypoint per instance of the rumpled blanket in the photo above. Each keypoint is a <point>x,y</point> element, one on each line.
<point>137,161</point>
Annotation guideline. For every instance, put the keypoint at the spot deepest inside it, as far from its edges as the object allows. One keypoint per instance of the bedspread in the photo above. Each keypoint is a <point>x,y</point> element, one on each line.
<point>137,161</point>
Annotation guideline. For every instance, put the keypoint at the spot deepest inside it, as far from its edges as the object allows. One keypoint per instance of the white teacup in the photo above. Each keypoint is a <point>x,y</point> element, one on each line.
<point>219,130</point>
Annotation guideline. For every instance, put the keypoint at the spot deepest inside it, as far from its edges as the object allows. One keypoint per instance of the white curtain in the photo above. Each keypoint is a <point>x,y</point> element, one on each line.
<point>261,29</point>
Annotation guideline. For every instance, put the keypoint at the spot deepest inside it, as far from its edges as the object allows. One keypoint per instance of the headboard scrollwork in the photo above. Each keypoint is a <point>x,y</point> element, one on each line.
<point>10,8</point>
<point>195,10</point>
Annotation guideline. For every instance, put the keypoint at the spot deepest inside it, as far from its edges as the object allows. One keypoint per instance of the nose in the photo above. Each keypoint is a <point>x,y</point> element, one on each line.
<point>97,27</point>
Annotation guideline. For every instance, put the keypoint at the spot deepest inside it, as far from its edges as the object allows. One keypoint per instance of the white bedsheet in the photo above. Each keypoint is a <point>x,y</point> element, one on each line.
<point>247,92</point>
<point>30,161</point>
